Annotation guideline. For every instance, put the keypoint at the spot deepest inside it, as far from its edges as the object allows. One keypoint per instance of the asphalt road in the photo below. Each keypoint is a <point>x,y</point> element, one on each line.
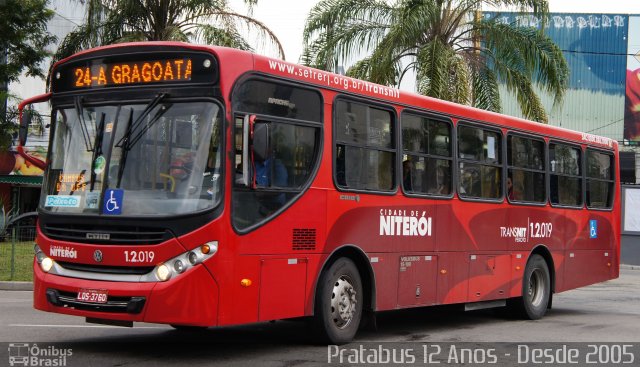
<point>599,314</point>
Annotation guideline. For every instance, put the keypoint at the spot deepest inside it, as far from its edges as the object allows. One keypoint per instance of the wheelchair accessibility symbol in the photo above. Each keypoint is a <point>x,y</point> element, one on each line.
<point>113,202</point>
<point>593,229</point>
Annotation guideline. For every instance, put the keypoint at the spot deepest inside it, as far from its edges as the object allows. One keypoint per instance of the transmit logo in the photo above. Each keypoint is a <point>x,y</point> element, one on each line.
<point>66,252</point>
<point>25,354</point>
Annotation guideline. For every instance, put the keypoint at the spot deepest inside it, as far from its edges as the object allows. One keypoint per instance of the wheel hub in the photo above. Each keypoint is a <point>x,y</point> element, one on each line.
<point>535,291</point>
<point>343,302</point>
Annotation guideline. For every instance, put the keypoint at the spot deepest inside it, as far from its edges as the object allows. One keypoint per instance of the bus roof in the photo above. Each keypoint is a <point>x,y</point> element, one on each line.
<point>348,85</point>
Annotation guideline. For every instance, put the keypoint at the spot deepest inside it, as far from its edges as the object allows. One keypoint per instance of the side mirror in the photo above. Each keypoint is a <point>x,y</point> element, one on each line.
<point>255,147</point>
<point>25,121</point>
<point>25,115</point>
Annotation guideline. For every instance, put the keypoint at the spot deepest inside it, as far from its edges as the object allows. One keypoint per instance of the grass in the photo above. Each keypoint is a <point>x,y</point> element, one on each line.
<point>22,259</point>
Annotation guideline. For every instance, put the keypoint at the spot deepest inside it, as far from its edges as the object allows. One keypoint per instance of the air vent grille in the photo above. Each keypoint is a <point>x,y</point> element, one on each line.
<point>304,239</point>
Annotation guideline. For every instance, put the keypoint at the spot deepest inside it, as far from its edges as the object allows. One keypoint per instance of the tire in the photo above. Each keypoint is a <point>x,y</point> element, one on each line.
<point>339,303</point>
<point>536,290</point>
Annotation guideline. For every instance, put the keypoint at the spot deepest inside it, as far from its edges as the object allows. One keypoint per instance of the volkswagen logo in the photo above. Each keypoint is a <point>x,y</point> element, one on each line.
<point>97,256</point>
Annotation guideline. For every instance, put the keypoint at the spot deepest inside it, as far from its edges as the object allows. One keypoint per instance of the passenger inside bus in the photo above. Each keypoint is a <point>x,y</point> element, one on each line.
<point>270,172</point>
<point>407,168</point>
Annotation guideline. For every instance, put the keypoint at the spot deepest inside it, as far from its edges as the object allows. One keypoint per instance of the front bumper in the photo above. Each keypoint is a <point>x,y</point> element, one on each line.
<point>190,299</point>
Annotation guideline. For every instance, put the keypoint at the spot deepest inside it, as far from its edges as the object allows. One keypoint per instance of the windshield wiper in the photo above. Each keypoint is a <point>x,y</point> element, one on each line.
<point>83,124</point>
<point>98,149</point>
<point>127,142</point>
<point>125,150</point>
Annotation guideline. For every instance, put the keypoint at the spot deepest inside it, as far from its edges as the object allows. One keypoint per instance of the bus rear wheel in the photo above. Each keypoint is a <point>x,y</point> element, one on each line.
<point>536,290</point>
<point>338,308</point>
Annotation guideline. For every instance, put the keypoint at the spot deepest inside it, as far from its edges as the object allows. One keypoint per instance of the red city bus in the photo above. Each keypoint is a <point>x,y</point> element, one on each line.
<point>204,186</point>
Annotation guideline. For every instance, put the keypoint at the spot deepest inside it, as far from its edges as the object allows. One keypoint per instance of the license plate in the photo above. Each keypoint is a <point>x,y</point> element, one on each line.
<point>92,295</point>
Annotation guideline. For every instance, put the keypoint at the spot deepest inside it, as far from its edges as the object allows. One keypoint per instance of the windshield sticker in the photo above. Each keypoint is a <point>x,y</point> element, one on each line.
<point>98,165</point>
<point>62,201</point>
<point>109,127</point>
<point>113,202</point>
<point>91,200</point>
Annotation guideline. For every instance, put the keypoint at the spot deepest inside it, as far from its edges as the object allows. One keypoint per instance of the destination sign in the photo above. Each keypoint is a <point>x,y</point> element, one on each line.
<point>116,71</point>
<point>175,70</point>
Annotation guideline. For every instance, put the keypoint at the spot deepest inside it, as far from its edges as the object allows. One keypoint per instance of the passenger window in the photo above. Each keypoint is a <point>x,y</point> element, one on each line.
<point>526,173</point>
<point>480,174</point>
<point>600,179</point>
<point>565,164</point>
<point>427,161</point>
<point>365,148</point>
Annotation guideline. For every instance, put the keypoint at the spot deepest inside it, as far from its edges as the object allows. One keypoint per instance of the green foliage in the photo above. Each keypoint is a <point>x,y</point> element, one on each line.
<point>202,21</point>
<point>23,34</point>
<point>6,215</point>
<point>454,53</point>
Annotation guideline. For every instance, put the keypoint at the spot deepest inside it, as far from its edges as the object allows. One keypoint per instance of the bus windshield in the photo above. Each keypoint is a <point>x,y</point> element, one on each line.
<point>158,158</point>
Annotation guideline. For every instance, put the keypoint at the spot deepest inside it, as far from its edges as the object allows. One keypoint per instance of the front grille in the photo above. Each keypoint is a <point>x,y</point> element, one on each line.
<point>132,305</point>
<point>127,270</point>
<point>120,234</point>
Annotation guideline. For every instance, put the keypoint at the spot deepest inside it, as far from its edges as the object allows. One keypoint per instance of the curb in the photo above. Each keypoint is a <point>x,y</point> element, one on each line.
<point>16,286</point>
<point>629,267</point>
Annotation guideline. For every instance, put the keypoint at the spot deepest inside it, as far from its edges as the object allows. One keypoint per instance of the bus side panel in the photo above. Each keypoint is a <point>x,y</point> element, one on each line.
<point>489,277</point>
<point>385,267</point>
<point>241,304</point>
<point>594,230</point>
<point>518,264</point>
<point>585,267</point>
<point>417,280</point>
<point>282,288</point>
<point>453,277</point>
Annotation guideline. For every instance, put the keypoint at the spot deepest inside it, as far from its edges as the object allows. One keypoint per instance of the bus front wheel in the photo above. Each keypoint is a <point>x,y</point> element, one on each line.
<point>536,289</point>
<point>338,308</point>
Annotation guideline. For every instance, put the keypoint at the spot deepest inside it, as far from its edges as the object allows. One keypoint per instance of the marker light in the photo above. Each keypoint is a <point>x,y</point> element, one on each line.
<point>179,266</point>
<point>209,248</point>
<point>163,272</point>
<point>46,264</point>
<point>193,258</point>
<point>205,249</point>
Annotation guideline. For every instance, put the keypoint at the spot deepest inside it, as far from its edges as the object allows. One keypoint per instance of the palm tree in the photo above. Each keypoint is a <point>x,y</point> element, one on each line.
<point>201,21</point>
<point>454,53</point>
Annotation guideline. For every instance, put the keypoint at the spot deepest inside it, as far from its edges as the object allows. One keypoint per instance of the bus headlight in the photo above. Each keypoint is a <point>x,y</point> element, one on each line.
<point>183,262</point>
<point>46,264</point>
<point>163,272</point>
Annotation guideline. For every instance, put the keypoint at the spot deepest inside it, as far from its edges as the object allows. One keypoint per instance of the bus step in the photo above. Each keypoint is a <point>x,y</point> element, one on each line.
<point>487,304</point>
